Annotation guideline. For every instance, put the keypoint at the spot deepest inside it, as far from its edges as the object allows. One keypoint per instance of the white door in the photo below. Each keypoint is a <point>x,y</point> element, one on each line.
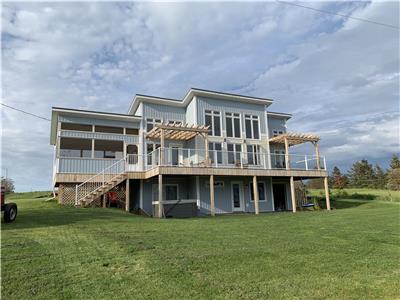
<point>237,196</point>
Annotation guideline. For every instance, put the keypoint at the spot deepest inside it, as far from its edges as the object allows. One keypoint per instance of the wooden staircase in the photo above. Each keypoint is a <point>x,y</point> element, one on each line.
<point>100,191</point>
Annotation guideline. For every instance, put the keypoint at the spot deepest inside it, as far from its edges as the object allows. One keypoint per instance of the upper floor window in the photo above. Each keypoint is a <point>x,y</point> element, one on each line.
<point>172,122</point>
<point>277,132</point>
<point>108,149</point>
<point>72,147</point>
<point>213,119</point>
<point>108,129</point>
<point>253,154</point>
<point>150,123</point>
<point>215,152</point>
<point>252,127</point>
<point>78,127</point>
<point>232,125</point>
<point>132,131</point>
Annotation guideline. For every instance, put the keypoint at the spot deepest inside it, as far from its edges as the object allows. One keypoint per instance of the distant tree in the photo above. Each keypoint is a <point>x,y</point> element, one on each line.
<point>395,162</point>
<point>380,177</point>
<point>338,181</point>
<point>393,176</point>
<point>8,184</point>
<point>361,174</point>
<point>317,183</point>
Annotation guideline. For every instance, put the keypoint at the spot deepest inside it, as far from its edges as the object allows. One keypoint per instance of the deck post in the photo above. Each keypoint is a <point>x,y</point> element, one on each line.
<point>328,202</point>
<point>105,200</point>
<point>127,199</point>
<point>317,155</point>
<point>212,203</point>
<point>162,148</point>
<point>293,194</point>
<point>206,149</point>
<point>160,196</point>
<point>287,159</point>
<point>255,194</point>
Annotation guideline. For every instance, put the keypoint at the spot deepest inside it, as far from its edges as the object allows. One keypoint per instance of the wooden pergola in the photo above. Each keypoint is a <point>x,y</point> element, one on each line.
<point>175,131</point>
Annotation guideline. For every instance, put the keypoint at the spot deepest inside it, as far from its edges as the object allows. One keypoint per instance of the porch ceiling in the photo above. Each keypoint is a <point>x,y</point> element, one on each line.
<point>183,132</point>
<point>294,138</point>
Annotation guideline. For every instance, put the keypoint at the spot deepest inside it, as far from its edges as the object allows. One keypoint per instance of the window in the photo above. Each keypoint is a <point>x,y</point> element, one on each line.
<point>71,147</point>
<point>78,127</point>
<point>108,129</point>
<point>108,149</point>
<point>278,159</point>
<point>131,152</point>
<point>172,122</point>
<point>277,132</point>
<point>151,155</point>
<point>170,192</point>
<point>213,119</point>
<point>150,123</point>
<point>132,131</point>
<point>234,151</point>
<point>252,127</point>
<point>253,154</point>
<point>261,191</point>
<point>232,125</point>
<point>215,152</point>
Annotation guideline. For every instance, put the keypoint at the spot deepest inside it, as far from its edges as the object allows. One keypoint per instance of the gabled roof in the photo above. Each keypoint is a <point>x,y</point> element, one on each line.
<point>189,96</point>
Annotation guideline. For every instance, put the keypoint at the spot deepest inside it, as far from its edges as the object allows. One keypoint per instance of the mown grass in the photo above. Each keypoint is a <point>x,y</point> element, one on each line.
<point>54,252</point>
<point>363,194</point>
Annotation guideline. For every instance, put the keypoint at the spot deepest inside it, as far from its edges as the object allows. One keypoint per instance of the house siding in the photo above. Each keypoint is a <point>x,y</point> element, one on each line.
<point>96,121</point>
<point>164,112</point>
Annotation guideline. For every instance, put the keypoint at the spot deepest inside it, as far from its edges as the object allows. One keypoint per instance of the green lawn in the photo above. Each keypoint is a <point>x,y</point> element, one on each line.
<point>54,252</point>
<point>366,194</point>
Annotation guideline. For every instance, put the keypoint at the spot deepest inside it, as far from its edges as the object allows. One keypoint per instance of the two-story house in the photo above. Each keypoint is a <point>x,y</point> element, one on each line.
<point>208,153</point>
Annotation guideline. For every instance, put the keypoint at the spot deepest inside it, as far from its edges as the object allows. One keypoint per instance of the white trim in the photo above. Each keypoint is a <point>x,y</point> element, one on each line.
<point>213,114</point>
<point>232,123</point>
<point>265,191</point>
<point>241,195</point>
<point>252,118</point>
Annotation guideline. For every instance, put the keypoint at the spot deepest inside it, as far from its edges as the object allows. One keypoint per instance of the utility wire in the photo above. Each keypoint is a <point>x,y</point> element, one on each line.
<point>340,15</point>
<point>25,112</point>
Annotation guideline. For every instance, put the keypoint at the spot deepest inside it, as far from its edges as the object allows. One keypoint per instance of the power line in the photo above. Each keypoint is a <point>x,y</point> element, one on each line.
<point>25,112</point>
<point>340,15</point>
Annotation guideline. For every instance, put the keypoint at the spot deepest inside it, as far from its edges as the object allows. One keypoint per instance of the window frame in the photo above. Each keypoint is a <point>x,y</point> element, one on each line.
<point>265,191</point>
<point>152,121</point>
<point>276,132</point>
<point>252,118</point>
<point>232,117</point>
<point>213,114</point>
<point>256,155</point>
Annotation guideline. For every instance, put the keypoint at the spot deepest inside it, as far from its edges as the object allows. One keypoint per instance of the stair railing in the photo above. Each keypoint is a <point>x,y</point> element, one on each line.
<point>98,180</point>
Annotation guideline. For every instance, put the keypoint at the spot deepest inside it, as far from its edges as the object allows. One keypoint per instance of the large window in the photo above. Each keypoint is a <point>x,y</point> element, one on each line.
<point>150,123</point>
<point>213,119</point>
<point>261,191</point>
<point>252,127</point>
<point>108,129</point>
<point>108,149</point>
<point>71,147</point>
<point>232,125</point>
<point>78,127</point>
<point>253,154</point>
<point>215,152</point>
<point>234,151</point>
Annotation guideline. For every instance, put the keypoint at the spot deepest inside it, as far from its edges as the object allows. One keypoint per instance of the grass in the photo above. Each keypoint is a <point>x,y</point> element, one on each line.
<point>364,194</point>
<point>54,252</point>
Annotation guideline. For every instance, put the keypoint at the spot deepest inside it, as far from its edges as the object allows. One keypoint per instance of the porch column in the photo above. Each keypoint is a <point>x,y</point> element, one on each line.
<point>293,194</point>
<point>212,203</point>
<point>206,149</point>
<point>317,155</point>
<point>105,200</point>
<point>287,159</point>
<point>127,199</point>
<point>160,196</point>
<point>328,202</point>
<point>256,196</point>
<point>162,148</point>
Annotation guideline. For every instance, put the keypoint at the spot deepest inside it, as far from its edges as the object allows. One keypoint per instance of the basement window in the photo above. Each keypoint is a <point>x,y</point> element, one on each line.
<point>108,149</point>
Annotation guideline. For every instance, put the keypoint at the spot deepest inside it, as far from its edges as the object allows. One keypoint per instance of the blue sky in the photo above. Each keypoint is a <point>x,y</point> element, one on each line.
<point>339,77</point>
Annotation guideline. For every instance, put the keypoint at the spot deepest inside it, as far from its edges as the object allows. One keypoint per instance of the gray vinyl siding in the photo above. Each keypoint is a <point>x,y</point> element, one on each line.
<point>231,106</point>
<point>276,124</point>
<point>164,112</point>
<point>129,139</point>
<point>84,165</point>
<point>96,121</point>
<point>191,117</point>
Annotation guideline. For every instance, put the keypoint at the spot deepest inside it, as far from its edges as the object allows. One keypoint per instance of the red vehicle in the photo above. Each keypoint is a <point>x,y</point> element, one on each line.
<point>10,209</point>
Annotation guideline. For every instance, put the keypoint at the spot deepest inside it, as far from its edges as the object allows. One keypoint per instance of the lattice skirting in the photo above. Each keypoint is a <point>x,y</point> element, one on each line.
<point>66,194</point>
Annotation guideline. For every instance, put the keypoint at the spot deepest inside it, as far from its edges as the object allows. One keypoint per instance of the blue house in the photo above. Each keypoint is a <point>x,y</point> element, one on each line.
<point>208,153</point>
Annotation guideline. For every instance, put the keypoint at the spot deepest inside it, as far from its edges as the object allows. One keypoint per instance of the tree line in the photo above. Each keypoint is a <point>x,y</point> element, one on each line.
<point>362,174</point>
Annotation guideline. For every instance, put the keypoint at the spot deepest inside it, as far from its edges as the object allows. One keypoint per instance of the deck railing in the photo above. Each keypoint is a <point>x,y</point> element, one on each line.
<point>182,157</point>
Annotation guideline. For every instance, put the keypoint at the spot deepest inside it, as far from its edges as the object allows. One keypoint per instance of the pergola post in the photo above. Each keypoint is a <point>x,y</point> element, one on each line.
<point>127,199</point>
<point>317,155</point>
<point>287,159</point>
<point>328,202</point>
<point>162,147</point>
<point>206,149</point>
<point>212,203</point>
<point>160,196</point>
<point>256,196</point>
<point>293,194</point>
